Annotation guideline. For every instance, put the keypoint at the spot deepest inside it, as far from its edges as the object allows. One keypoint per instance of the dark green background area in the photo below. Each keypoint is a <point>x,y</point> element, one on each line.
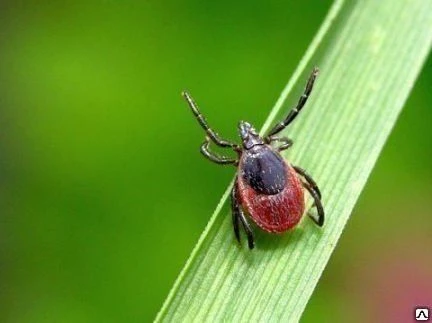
<point>103,192</point>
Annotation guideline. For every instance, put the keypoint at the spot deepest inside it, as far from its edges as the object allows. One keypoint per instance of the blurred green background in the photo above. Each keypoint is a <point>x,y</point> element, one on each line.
<point>103,192</point>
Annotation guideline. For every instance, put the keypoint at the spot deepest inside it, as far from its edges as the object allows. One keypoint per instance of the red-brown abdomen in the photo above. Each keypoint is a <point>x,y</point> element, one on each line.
<point>278,212</point>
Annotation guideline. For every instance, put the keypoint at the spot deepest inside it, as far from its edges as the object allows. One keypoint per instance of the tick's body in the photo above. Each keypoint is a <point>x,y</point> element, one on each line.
<point>267,187</point>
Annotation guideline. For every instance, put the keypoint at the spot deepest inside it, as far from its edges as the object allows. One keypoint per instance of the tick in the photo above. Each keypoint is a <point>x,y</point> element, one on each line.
<point>267,188</point>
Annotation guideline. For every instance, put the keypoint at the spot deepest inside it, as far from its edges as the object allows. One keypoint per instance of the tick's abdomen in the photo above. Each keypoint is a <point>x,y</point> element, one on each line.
<point>283,207</point>
<point>264,170</point>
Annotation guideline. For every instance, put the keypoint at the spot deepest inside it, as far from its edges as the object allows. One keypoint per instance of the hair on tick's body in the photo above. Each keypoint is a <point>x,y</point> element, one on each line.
<point>266,187</point>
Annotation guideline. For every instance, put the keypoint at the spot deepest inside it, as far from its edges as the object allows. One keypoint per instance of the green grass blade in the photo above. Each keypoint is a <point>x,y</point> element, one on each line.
<point>370,54</point>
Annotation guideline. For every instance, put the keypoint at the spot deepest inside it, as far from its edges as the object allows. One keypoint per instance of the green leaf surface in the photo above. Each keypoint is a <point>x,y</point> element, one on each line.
<point>369,54</point>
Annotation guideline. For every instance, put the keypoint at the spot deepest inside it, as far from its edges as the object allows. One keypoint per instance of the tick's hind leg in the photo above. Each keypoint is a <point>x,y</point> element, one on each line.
<point>317,202</point>
<point>309,179</point>
<point>313,189</point>
<point>238,216</point>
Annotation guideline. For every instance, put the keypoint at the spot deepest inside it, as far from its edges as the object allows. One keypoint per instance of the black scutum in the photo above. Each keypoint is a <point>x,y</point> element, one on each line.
<point>264,170</point>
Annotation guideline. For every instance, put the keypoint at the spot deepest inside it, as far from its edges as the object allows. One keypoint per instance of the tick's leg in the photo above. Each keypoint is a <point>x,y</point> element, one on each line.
<point>286,142</point>
<point>238,215</point>
<point>309,179</point>
<point>247,228</point>
<point>235,214</point>
<point>205,150</point>
<point>202,121</point>
<point>318,204</point>
<point>295,111</point>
